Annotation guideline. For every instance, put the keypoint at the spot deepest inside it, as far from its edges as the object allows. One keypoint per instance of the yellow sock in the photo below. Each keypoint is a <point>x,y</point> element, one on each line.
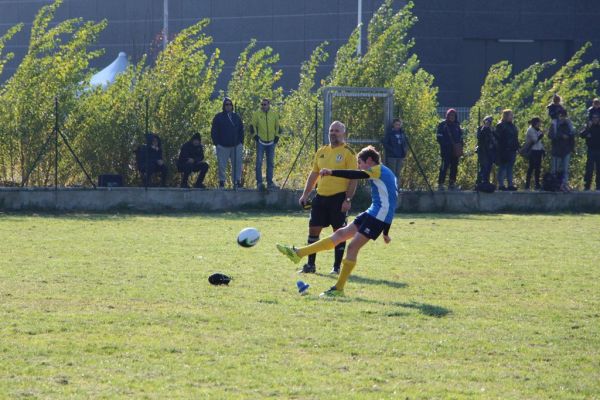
<point>321,245</point>
<point>347,267</point>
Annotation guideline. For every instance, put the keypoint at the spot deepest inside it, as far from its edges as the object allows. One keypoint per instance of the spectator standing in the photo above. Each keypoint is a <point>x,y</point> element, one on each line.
<point>334,194</point>
<point>191,159</point>
<point>486,149</point>
<point>555,107</point>
<point>592,139</point>
<point>450,138</point>
<point>508,144</point>
<point>533,140</point>
<point>594,109</point>
<point>227,134</point>
<point>266,130</point>
<point>149,159</point>
<point>562,135</point>
<point>395,144</point>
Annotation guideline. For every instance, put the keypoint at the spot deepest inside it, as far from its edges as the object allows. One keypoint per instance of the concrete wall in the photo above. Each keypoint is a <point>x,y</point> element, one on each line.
<point>456,40</point>
<point>170,199</point>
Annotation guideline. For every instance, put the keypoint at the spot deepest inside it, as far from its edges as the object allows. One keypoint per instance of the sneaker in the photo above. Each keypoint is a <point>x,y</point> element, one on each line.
<point>335,270</point>
<point>260,187</point>
<point>272,186</point>
<point>308,269</point>
<point>289,252</point>
<point>502,188</point>
<point>512,188</point>
<point>332,292</point>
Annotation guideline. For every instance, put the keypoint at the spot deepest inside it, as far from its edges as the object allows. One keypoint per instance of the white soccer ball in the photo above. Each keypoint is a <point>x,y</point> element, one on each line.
<point>248,237</point>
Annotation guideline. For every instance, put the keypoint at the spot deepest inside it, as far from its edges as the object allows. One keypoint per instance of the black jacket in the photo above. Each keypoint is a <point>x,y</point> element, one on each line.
<point>147,153</point>
<point>486,143</point>
<point>592,137</point>
<point>227,130</point>
<point>508,141</point>
<point>188,150</point>
<point>446,129</point>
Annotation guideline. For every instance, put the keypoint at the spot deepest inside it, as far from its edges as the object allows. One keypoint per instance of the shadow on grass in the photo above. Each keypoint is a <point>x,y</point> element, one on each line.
<point>429,310</point>
<point>369,281</point>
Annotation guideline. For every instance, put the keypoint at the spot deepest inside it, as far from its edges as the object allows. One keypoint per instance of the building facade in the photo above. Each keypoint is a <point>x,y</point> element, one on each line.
<point>456,40</point>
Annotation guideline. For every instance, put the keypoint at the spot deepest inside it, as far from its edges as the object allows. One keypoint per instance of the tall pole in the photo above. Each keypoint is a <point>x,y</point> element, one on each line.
<point>359,46</point>
<point>55,142</point>
<point>165,23</point>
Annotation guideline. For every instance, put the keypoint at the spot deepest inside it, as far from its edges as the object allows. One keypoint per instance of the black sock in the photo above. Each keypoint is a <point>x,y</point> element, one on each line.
<point>339,254</point>
<point>312,257</point>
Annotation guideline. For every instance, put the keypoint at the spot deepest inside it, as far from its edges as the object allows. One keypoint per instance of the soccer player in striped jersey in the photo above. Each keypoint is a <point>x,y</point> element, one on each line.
<point>370,224</point>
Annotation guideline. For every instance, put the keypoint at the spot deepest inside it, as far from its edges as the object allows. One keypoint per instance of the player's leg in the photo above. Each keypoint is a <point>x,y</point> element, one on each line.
<point>358,241</point>
<point>327,243</point>
<point>314,233</point>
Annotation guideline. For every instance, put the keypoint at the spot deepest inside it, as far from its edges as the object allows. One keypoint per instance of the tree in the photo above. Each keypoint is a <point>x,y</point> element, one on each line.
<point>56,62</point>
<point>389,62</point>
<point>527,95</point>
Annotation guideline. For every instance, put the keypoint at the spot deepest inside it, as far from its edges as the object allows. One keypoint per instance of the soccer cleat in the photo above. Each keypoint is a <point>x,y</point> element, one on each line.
<point>289,252</point>
<point>332,292</point>
<point>335,270</point>
<point>308,269</point>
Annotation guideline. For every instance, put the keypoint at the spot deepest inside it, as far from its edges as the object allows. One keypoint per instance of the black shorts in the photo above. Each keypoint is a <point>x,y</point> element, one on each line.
<point>370,226</point>
<point>327,210</point>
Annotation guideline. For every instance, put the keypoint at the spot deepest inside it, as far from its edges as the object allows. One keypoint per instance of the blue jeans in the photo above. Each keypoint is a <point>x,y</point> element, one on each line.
<point>561,164</point>
<point>505,170</point>
<point>261,150</point>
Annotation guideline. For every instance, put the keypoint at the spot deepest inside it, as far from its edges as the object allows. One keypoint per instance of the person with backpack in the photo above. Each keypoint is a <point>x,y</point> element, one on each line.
<point>562,135</point>
<point>592,138</point>
<point>507,135</point>
<point>533,142</point>
<point>486,150</point>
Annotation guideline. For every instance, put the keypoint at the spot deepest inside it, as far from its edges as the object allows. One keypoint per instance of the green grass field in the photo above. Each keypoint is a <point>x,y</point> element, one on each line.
<point>118,306</point>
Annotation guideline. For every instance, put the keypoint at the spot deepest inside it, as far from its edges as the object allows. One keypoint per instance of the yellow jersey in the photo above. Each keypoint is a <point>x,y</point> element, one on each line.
<point>341,157</point>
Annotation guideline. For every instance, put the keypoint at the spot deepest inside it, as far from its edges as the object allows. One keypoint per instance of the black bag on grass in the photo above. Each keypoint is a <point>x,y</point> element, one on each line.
<point>551,182</point>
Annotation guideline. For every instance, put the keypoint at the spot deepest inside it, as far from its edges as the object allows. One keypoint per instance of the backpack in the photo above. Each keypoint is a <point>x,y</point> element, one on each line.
<point>551,182</point>
<point>485,187</point>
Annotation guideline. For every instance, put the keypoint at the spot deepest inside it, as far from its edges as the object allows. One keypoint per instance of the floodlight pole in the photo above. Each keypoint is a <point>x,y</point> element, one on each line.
<point>359,46</point>
<point>165,23</point>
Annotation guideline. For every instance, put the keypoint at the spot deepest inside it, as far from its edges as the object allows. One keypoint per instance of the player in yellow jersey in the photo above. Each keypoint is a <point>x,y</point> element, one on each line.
<point>334,195</point>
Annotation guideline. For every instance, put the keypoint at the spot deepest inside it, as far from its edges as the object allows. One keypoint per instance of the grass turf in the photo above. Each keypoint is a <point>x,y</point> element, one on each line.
<point>104,306</point>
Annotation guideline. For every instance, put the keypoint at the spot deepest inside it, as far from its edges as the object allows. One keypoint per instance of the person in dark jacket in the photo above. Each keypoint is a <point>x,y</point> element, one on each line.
<point>533,141</point>
<point>227,134</point>
<point>449,134</point>
<point>555,107</point>
<point>508,144</point>
<point>395,144</point>
<point>592,139</point>
<point>149,160</point>
<point>594,109</point>
<point>486,149</point>
<point>562,135</point>
<point>191,159</point>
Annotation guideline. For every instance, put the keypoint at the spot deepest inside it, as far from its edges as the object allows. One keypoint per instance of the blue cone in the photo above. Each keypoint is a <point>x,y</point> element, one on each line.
<point>302,287</point>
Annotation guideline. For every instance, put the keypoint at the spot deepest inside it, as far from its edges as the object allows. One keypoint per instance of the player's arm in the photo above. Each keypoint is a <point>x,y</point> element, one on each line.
<point>311,181</point>
<point>345,173</point>
<point>386,234</point>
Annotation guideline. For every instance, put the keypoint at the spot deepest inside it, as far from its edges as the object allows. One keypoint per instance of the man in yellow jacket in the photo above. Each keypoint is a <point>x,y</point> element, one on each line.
<point>265,128</point>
